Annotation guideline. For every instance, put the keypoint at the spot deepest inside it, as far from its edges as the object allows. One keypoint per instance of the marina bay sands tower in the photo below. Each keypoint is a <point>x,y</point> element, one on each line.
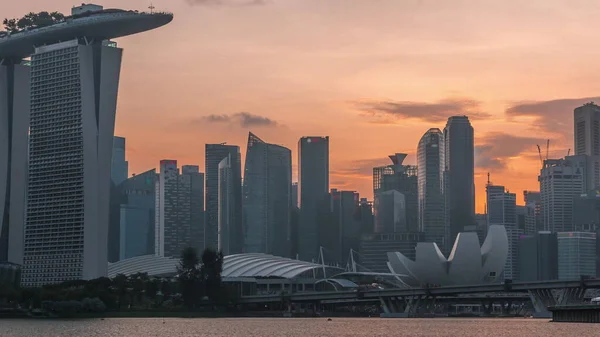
<point>57,178</point>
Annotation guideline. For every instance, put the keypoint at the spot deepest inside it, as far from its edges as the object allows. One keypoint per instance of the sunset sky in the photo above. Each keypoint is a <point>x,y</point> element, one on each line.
<point>374,75</point>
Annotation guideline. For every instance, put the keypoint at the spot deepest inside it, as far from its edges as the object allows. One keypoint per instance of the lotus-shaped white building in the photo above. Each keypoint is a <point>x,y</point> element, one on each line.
<point>468,262</point>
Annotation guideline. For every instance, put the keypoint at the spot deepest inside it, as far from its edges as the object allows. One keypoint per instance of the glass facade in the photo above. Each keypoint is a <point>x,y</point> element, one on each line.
<point>267,198</point>
<point>374,248</point>
<point>576,255</point>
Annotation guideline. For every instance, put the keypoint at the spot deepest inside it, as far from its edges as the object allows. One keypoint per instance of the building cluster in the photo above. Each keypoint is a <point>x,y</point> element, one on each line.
<point>68,205</point>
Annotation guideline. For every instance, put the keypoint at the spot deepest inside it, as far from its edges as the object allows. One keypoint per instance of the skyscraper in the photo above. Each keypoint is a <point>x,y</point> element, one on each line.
<point>119,167</point>
<point>137,212</point>
<point>430,159</point>
<point>587,141</point>
<point>459,182</point>
<point>74,84</point>
<point>179,209</point>
<point>576,255</point>
<point>502,210</point>
<point>561,180</point>
<point>342,232</point>
<point>389,212</point>
<point>226,205</point>
<point>533,212</point>
<point>267,198</point>
<point>214,154</point>
<point>313,189</point>
<point>14,124</point>
<point>401,178</point>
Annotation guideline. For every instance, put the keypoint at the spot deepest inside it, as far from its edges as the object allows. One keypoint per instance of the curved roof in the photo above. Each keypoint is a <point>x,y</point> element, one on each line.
<point>238,265</point>
<point>264,265</point>
<point>101,26</point>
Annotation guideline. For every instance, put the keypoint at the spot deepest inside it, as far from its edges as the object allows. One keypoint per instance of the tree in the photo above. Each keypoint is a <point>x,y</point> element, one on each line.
<point>189,277</point>
<point>212,267</point>
<point>33,20</point>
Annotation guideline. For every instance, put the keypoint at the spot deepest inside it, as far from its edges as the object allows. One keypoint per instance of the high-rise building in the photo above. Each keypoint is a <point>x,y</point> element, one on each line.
<point>533,212</point>
<point>214,154</point>
<point>373,249</point>
<point>402,178</point>
<point>587,141</point>
<point>14,124</point>
<point>365,216</point>
<point>137,212</point>
<point>295,194</point>
<point>538,257</point>
<point>459,182</point>
<point>342,232</point>
<point>586,212</point>
<point>313,189</point>
<point>179,215</point>
<point>561,180</point>
<point>576,255</point>
<point>431,164</point>
<point>119,170</point>
<point>502,210</point>
<point>226,205</point>
<point>267,198</point>
<point>389,212</point>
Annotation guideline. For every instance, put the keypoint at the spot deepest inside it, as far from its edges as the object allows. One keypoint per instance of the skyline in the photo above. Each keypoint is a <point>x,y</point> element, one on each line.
<point>292,81</point>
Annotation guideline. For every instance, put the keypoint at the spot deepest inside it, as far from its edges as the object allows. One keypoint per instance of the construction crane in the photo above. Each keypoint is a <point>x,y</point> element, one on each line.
<point>547,148</point>
<point>540,153</point>
<point>568,152</point>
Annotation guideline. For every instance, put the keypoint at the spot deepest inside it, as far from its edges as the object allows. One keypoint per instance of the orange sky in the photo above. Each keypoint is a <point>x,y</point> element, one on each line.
<point>374,75</point>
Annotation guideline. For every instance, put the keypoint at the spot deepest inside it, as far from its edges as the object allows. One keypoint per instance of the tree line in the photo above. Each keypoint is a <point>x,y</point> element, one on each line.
<point>197,286</point>
<point>32,20</point>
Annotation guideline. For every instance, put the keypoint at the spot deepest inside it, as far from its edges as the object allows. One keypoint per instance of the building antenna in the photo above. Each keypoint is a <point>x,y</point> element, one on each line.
<point>488,179</point>
<point>151,8</point>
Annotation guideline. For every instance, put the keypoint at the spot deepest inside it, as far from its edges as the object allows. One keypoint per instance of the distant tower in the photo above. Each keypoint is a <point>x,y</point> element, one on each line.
<point>459,176</point>
<point>587,141</point>
<point>313,188</point>
<point>430,159</point>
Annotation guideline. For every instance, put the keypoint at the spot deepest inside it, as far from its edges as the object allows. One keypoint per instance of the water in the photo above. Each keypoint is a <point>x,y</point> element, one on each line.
<point>318,327</point>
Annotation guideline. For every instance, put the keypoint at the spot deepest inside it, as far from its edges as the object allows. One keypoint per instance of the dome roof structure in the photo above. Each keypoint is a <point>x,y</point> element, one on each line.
<point>467,264</point>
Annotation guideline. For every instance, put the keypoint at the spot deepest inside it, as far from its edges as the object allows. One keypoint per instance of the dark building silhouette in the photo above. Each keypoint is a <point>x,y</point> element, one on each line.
<point>365,216</point>
<point>341,231</point>
<point>373,249</point>
<point>459,176</point>
<point>313,189</point>
<point>538,257</point>
<point>267,198</point>
<point>214,154</point>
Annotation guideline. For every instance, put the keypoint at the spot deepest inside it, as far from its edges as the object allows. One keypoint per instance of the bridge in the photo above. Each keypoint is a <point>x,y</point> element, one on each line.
<point>410,300</point>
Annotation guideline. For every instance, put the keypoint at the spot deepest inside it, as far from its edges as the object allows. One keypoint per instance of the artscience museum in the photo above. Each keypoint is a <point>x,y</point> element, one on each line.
<point>468,263</point>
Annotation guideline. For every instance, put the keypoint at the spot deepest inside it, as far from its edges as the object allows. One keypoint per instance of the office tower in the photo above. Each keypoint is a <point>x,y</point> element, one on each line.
<point>586,120</point>
<point>74,84</point>
<point>586,212</point>
<point>538,257</point>
<point>137,212</point>
<point>226,205</point>
<point>191,185</point>
<point>14,124</point>
<point>521,212</point>
<point>373,249</point>
<point>502,210</point>
<point>430,160</point>
<point>365,216</point>
<point>561,180</point>
<point>533,212</point>
<point>313,188</point>
<point>402,178</point>
<point>179,216</point>
<point>576,255</point>
<point>389,212</point>
<point>480,227</point>
<point>267,198</point>
<point>214,154</point>
<point>295,194</point>
<point>341,232</point>
<point>120,167</point>
<point>459,189</point>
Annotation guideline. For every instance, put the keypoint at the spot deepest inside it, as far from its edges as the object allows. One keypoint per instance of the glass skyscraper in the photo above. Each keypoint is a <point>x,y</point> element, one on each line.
<point>119,166</point>
<point>313,189</point>
<point>459,182</point>
<point>214,154</point>
<point>267,198</point>
<point>430,159</point>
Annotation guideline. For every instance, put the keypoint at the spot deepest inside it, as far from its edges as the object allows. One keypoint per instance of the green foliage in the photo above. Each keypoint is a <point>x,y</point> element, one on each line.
<point>189,276</point>
<point>32,20</point>
<point>212,267</point>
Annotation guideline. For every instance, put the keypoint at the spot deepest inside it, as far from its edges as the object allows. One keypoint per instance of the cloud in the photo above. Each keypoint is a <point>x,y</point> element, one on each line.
<point>390,111</point>
<point>362,168</point>
<point>554,116</point>
<point>234,3</point>
<point>243,119</point>
<point>498,147</point>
